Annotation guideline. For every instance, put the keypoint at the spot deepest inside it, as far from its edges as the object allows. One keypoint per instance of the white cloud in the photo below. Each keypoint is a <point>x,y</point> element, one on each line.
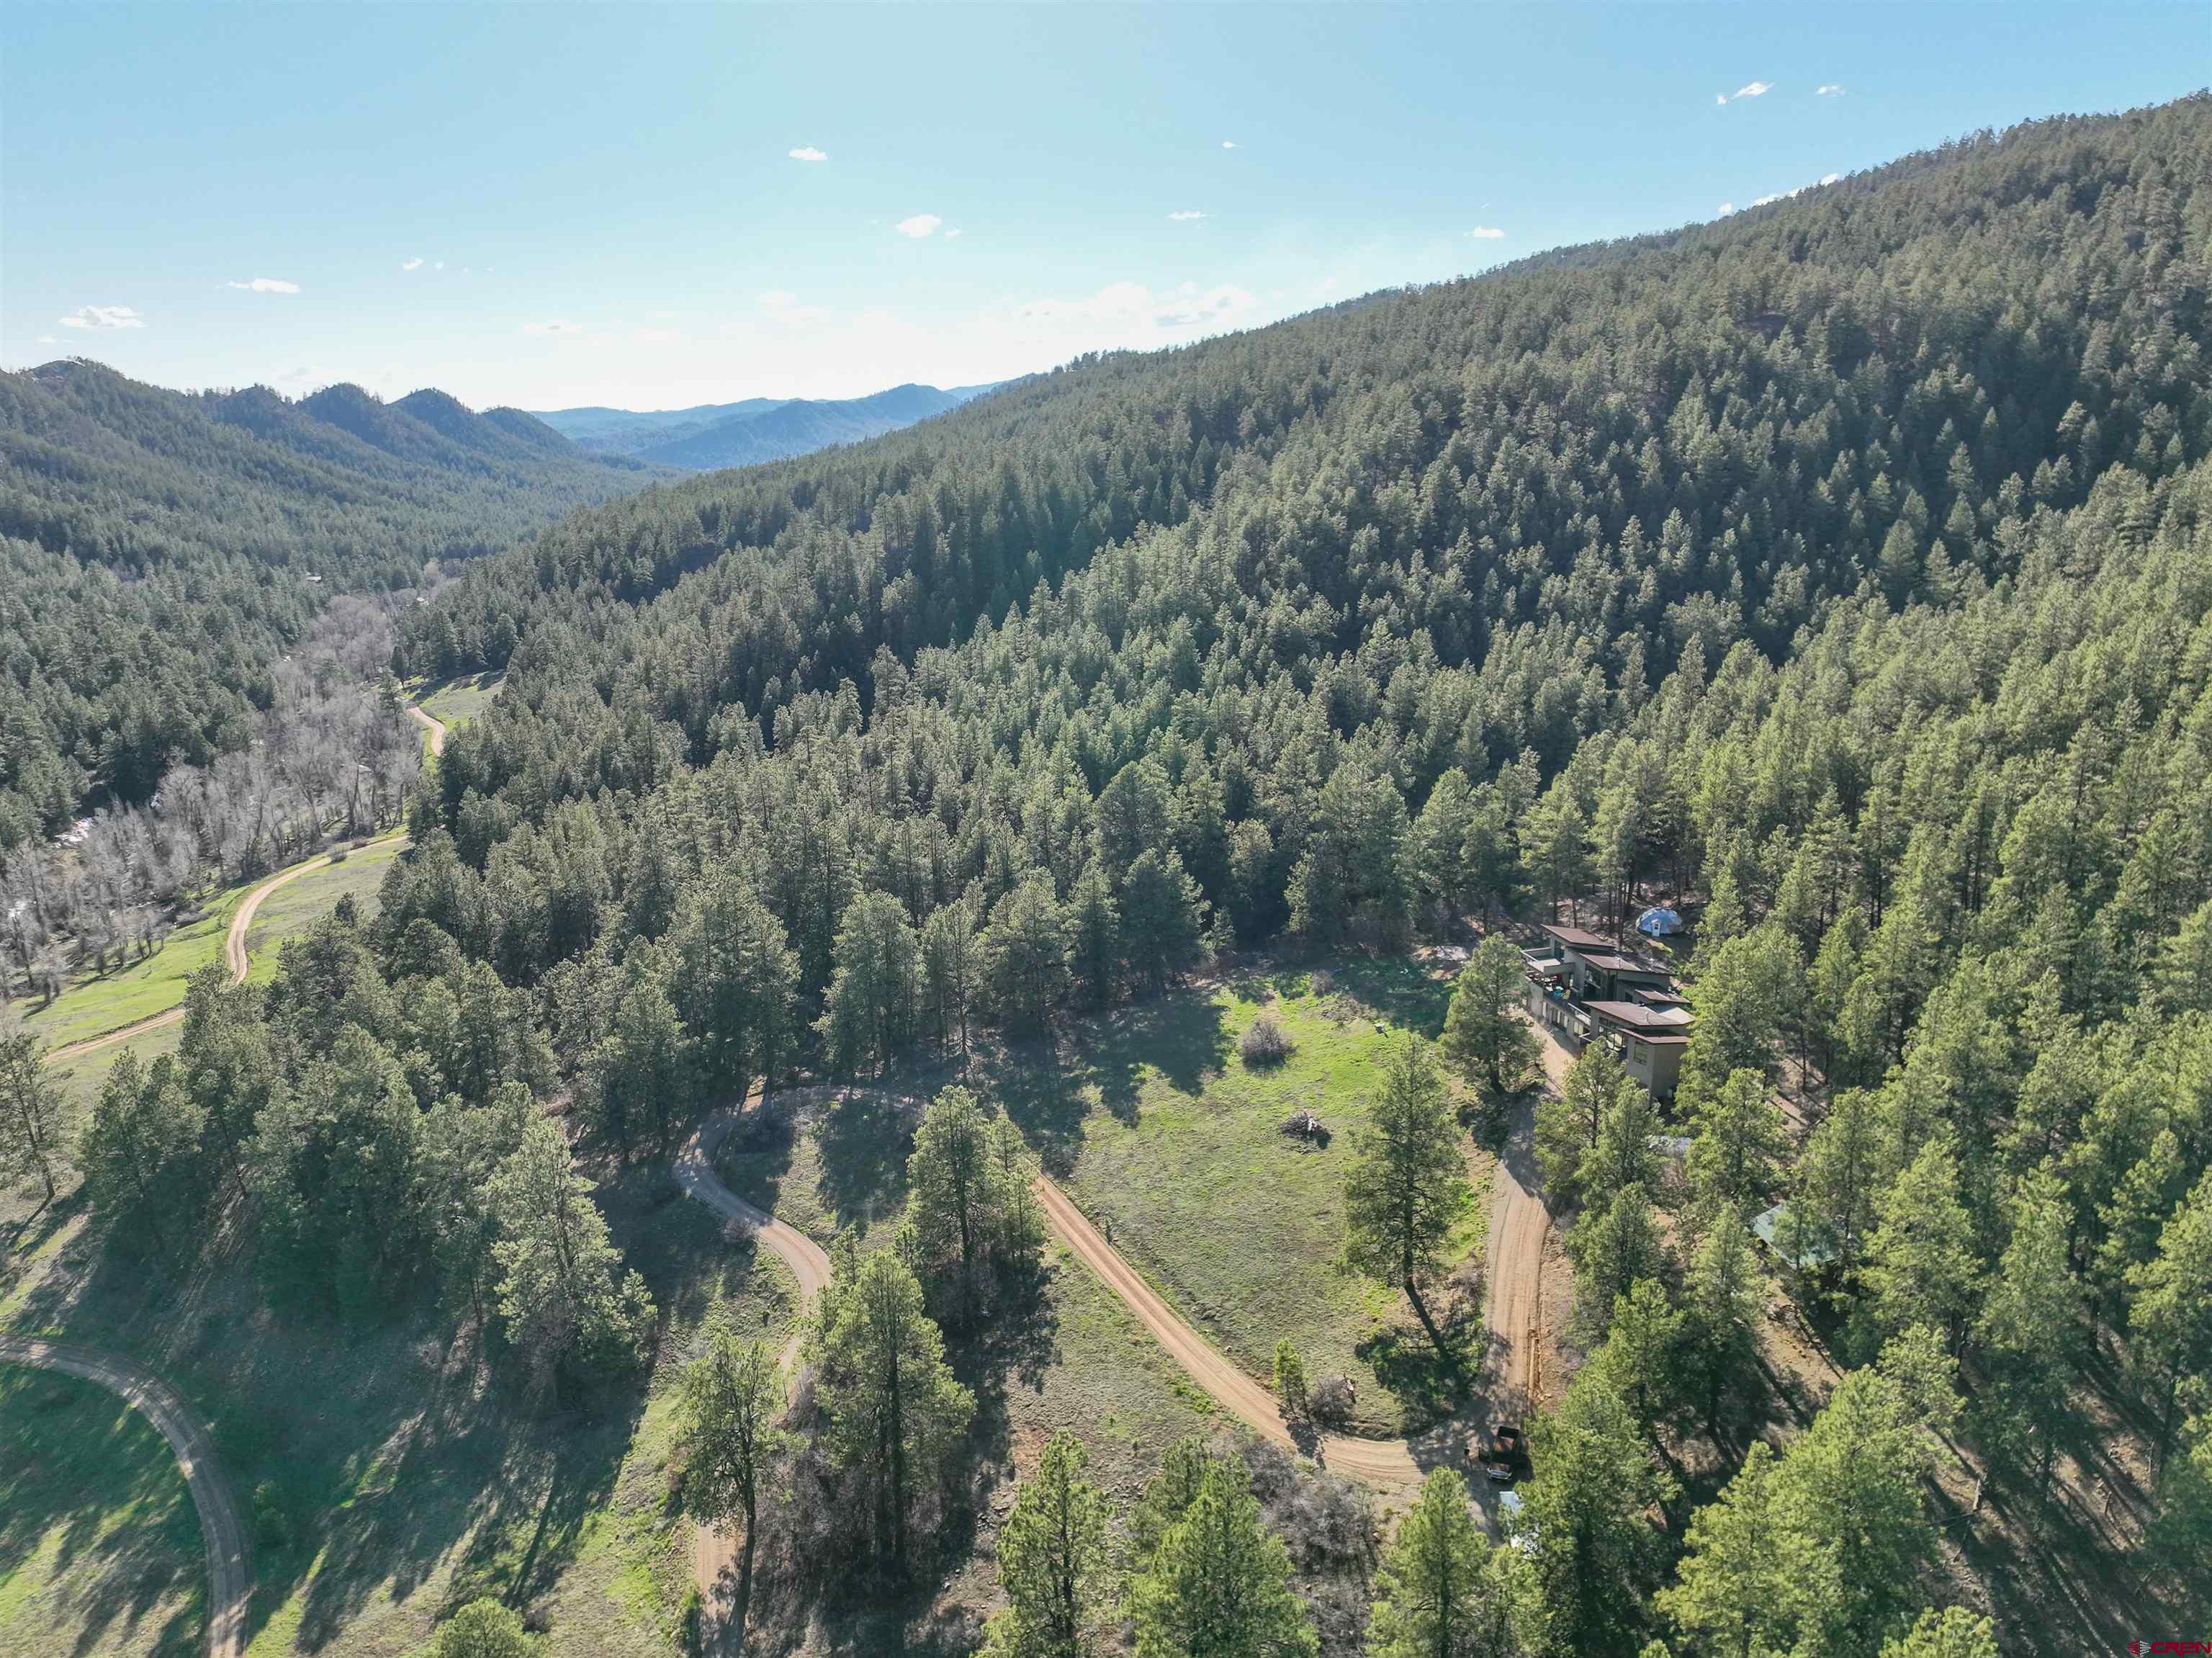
<point>1486,232</point>
<point>1723,209</point>
<point>554,326</point>
<point>265,285</point>
<point>1831,90</point>
<point>1185,214</point>
<point>103,316</point>
<point>778,298</point>
<point>950,234</point>
<point>440,265</point>
<point>1754,88</point>
<point>415,263</point>
<point>921,225</point>
<point>1830,178</point>
<point>809,153</point>
<point>1229,143</point>
<point>1720,97</point>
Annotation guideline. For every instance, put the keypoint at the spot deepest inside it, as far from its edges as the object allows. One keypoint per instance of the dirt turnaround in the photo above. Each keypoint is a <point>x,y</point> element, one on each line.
<point>221,1529</point>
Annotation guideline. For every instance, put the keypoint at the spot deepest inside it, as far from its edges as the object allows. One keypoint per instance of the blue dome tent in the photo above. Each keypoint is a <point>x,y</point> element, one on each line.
<point>1659,922</point>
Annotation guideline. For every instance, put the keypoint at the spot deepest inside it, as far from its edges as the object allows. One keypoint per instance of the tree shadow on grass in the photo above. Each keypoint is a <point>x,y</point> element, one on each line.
<point>1398,987</point>
<point>1043,1095</point>
<point>79,1458</point>
<point>1430,1384</point>
<point>863,1139</point>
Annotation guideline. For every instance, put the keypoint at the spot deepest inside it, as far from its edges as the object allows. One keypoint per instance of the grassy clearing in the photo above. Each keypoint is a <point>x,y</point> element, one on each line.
<point>388,1478</point>
<point>96,1003</point>
<point>1166,1137</point>
<point>297,906</point>
<point>454,703</point>
<point>99,1548</point>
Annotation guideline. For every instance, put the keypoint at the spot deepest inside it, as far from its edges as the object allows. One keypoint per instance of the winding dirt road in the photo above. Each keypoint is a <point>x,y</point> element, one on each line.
<point>1385,1463</point>
<point>431,723</point>
<point>220,1528</point>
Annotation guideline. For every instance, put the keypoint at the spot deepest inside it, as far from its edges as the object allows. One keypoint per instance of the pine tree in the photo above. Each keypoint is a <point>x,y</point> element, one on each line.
<point>893,1410</point>
<point>1485,1036</point>
<point>1162,916</point>
<point>1920,1266</point>
<point>868,1017</point>
<point>2029,1328</point>
<point>1593,1554</point>
<point>1721,1305</point>
<point>732,1394</point>
<point>1290,1381</point>
<point>1736,1585</point>
<point>1437,1595</point>
<point>1611,1248</point>
<point>143,1166</point>
<point>1953,1632</point>
<point>1408,1185</point>
<point>968,1217</point>
<point>30,1114</point>
<point>1218,1582</point>
<point>1053,1562</point>
<point>1025,952</point>
<point>2172,1319</point>
<point>568,1310</point>
<point>1737,1142</point>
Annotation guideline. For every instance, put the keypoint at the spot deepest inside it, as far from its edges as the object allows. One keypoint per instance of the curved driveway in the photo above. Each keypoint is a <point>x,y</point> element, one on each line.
<point>220,1528</point>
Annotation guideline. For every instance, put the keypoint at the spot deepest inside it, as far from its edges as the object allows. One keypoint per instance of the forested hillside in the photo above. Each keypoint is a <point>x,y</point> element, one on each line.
<point>160,551</point>
<point>1841,569</point>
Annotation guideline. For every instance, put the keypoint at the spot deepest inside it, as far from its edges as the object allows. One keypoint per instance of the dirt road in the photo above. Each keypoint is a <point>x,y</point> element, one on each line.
<point>1519,1226</point>
<point>432,724</point>
<point>714,1551</point>
<point>1387,1463</point>
<point>221,1529</point>
<point>235,957</point>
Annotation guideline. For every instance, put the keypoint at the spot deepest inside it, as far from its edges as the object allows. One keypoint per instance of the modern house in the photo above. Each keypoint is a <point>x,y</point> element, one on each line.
<point>1583,988</point>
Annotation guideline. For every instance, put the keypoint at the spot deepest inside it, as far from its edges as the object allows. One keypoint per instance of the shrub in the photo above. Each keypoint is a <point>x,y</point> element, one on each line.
<point>1330,1400</point>
<point>1264,1042</point>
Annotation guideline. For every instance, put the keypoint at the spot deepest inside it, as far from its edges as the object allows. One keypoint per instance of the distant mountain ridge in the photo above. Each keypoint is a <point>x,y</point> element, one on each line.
<point>744,434</point>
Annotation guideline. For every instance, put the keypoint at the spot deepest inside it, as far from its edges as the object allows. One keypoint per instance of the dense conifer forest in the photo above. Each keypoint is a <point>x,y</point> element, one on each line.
<point>1840,571</point>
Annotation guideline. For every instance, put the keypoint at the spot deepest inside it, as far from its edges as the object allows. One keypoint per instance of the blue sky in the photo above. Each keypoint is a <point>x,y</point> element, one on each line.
<point>555,204</point>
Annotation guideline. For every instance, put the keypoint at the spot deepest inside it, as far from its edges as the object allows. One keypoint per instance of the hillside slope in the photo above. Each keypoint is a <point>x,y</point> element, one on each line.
<point>1840,572</point>
<point>160,549</point>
